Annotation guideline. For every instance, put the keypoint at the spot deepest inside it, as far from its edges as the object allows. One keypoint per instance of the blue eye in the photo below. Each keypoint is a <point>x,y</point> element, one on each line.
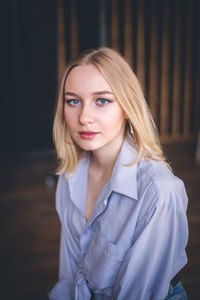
<point>73,102</point>
<point>103,101</point>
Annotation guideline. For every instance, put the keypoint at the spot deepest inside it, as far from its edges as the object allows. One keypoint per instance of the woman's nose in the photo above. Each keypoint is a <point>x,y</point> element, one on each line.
<point>86,115</point>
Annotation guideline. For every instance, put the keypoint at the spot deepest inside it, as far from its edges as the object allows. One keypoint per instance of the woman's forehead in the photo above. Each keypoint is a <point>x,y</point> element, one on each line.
<point>86,77</point>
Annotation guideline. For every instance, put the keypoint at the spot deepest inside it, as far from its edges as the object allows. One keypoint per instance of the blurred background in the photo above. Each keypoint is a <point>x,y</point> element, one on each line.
<point>161,41</point>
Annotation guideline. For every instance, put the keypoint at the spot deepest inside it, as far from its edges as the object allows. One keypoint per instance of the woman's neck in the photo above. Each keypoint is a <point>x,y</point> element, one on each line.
<point>103,160</point>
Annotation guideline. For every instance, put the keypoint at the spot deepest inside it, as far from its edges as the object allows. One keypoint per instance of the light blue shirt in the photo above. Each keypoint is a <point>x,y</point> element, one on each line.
<point>134,242</point>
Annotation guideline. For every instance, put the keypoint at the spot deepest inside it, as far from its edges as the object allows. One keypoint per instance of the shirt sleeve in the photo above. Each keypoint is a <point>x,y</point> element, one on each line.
<point>158,249</point>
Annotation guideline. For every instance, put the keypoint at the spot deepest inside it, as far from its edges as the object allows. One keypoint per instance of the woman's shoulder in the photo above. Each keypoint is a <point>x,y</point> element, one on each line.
<point>60,190</point>
<point>154,170</point>
<point>66,176</point>
<point>159,179</point>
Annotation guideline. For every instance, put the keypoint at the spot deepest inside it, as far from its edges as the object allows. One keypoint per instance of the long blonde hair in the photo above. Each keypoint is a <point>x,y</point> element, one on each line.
<point>127,91</point>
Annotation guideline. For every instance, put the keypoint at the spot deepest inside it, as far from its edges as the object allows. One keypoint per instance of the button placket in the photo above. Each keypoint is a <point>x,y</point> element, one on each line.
<point>87,233</point>
<point>99,210</point>
<point>84,240</point>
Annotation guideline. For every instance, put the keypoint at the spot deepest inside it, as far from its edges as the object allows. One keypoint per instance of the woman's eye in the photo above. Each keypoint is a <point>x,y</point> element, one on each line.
<point>73,102</point>
<point>103,101</point>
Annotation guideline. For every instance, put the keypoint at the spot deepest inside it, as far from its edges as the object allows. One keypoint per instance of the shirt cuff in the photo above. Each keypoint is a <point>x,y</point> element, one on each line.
<point>67,289</point>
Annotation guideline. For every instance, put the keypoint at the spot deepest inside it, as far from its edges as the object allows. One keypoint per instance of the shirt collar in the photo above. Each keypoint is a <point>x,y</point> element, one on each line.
<point>78,184</point>
<point>123,179</point>
<point>124,176</point>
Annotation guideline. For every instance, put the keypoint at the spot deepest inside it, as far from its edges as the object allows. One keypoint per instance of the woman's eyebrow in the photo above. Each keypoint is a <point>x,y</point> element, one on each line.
<point>70,94</point>
<point>102,93</point>
<point>94,93</point>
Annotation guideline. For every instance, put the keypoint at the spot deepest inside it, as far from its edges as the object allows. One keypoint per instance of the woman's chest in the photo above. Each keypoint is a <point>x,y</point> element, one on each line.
<point>114,219</point>
<point>104,239</point>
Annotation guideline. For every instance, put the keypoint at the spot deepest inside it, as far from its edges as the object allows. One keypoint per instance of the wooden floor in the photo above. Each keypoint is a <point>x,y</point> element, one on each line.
<point>30,228</point>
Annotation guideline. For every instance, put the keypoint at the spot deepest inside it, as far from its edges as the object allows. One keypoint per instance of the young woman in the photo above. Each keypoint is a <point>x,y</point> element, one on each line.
<point>123,213</point>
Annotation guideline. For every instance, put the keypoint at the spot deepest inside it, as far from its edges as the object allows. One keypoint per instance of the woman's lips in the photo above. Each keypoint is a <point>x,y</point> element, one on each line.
<point>87,135</point>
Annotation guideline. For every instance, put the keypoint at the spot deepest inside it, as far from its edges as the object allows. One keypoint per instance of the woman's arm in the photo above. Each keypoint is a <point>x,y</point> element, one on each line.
<point>158,249</point>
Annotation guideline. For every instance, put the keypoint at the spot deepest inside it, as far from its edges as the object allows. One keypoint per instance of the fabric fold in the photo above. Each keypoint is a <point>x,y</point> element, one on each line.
<point>66,289</point>
<point>62,290</point>
<point>81,289</point>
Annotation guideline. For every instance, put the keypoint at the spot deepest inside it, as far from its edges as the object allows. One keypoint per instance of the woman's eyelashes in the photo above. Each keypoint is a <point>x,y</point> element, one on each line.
<point>72,102</point>
<point>99,102</point>
<point>103,101</point>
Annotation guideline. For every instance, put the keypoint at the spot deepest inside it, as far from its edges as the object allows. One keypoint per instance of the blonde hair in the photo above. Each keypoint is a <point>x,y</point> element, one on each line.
<point>127,91</point>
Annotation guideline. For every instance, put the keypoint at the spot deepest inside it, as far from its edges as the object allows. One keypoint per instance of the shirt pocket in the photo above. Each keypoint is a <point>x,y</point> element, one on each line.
<point>102,262</point>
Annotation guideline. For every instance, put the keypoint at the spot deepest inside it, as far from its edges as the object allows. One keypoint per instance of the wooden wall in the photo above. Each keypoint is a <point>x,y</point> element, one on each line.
<point>161,41</point>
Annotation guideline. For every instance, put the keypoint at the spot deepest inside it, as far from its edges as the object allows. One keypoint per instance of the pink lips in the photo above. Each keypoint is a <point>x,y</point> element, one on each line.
<point>87,135</point>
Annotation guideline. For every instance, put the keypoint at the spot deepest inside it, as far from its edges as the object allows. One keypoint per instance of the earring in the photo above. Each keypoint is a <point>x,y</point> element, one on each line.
<point>131,128</point>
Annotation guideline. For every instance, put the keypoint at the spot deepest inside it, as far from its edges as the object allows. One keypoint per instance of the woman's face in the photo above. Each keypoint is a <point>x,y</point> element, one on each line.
<point>92,114</point>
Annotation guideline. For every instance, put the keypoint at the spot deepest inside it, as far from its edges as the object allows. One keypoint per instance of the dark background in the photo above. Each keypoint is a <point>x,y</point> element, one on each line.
<point>29,75</point>
<point>29,68</point>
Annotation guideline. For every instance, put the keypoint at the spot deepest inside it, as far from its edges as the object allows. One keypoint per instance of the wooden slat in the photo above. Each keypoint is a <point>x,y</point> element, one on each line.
<point>187,83</point>
<point>170,139</point>
<point>141,44</point>
<point>154,64</point>
<point>61,46</point>
<point>176,97</point>
<point>197,86</point>
<point>114,25</point>
<point>128,49</point>
<point>74,28</point>
<point>165,88</point>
